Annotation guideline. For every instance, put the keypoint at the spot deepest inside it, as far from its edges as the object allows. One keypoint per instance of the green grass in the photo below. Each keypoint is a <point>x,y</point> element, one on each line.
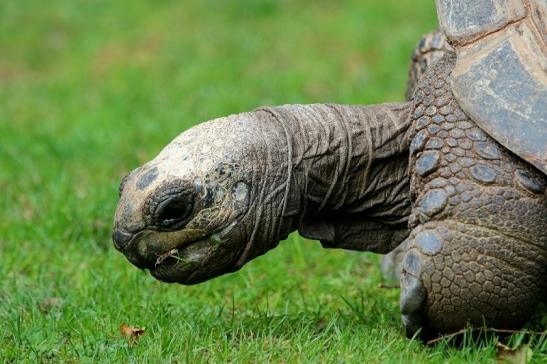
<point>91,89</point>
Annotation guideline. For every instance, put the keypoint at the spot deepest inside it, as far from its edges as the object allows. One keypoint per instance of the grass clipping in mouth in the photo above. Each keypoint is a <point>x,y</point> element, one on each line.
<point>173,253</point>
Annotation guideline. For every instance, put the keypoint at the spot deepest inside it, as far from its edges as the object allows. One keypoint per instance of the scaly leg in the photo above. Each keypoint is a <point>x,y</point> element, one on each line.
<point>478,249</point>
<point>431,47</point>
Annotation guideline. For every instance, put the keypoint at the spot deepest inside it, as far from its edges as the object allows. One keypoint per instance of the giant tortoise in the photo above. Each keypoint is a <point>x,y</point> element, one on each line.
<point>456,176</point>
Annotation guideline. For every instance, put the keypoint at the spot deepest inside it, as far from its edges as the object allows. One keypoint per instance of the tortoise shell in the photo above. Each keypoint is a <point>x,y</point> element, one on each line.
<point>500,78</point>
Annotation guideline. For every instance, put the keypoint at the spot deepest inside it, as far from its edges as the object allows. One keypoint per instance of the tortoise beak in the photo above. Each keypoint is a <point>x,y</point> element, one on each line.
<point>123,241</point>
<point>121,238</point>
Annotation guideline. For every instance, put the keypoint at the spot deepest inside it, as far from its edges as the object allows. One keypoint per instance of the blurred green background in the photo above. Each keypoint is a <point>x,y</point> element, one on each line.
<point>90,89</point>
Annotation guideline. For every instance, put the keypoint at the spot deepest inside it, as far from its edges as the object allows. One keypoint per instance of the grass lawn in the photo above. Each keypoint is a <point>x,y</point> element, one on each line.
<point>90,89</point>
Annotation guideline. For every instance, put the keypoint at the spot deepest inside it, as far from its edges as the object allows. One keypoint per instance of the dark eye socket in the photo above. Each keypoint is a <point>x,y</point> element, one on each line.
<point>173,211</point>
<point>170,206</point>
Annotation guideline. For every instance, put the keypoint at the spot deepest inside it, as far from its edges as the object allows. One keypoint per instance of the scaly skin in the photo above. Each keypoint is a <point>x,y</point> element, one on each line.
<point>478,249</point>
<point>431,47</point>
<point>229,190</point>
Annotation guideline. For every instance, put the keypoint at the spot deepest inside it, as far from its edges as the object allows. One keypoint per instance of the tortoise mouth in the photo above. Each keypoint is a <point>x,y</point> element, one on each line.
<point>137,248</point>
<point>184,256</point>
<point>179,264</point>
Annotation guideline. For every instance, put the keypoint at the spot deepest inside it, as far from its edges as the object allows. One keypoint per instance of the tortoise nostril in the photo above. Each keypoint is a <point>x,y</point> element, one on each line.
<point>121,238</point>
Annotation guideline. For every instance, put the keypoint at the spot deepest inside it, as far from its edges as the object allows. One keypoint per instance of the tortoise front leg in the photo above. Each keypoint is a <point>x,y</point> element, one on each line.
<point>478,249</point>
<point>431,47</point>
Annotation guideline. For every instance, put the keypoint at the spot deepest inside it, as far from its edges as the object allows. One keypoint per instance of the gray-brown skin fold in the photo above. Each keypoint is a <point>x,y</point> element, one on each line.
<point>230,189</point>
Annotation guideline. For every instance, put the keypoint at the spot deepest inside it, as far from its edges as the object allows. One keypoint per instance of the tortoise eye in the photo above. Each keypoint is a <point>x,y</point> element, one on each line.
<point>169,206</point>
<point>173,211</point>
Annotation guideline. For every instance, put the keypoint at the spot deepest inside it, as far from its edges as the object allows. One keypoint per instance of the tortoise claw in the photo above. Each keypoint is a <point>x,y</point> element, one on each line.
<point>413,293</point>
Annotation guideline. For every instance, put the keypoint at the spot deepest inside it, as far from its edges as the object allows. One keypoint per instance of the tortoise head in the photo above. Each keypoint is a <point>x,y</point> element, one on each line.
<point>187,215</point>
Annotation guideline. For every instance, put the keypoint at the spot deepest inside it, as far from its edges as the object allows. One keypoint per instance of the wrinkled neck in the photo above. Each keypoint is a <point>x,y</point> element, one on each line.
<point>321,162</point>
<point>346,159</point>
